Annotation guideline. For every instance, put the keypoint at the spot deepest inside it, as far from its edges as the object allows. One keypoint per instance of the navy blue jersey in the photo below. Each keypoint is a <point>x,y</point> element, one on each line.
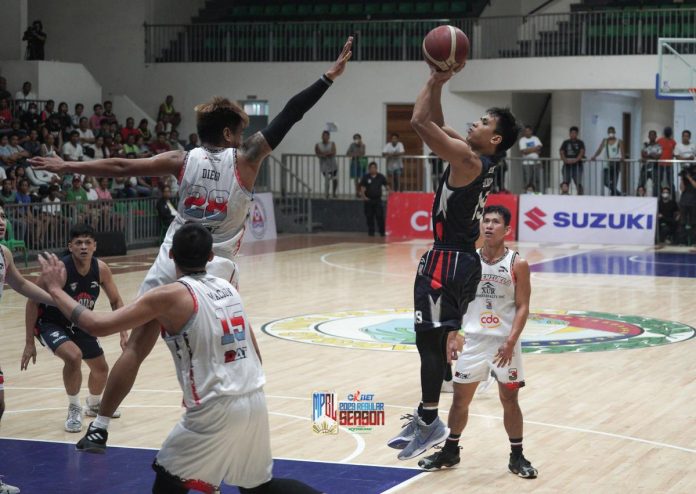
<point>457,211</point>
<point>83,289</point>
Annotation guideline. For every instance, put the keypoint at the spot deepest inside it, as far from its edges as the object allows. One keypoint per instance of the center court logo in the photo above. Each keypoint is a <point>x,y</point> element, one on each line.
<point>535,216</point>
<point>547,331</point>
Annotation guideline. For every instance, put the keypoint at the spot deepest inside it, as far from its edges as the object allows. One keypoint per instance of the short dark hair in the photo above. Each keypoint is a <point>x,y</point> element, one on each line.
<point>394,134</point>
<point>108,102</point>
<point>97,105</point>
<point>528,127</point>
<point>686,132</point>
<point>506,126</point>
<point>357,135</point>
<point>372,163</point>
<point>191,246</point>
<point>74,133</point>
<point>212,118</point>
<point>501,210</point>
<point>82,230</point>
<point>574,128</point>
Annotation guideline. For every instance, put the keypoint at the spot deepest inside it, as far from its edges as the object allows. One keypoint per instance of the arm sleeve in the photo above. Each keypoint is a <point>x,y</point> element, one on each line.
<point>294,111</point>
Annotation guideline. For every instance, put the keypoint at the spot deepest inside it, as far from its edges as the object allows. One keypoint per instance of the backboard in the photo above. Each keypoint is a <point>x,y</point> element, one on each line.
<point>676,71</point>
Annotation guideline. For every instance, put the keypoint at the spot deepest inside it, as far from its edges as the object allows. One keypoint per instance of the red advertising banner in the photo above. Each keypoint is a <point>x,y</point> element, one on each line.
<point>408,214</point>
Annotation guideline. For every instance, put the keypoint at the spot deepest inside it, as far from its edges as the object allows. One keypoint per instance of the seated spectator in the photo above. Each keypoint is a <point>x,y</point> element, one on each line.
<point>144,130</point>
<point>5,153</point>
<point>48,148</point>
<point>95,121</point>
<point>108,220</point>
<point>30,119</point>
<point>667,216</point>
<point>49,109</point>
<point>51,218</point>
<point>174,143</point>
<point>3,174</point>
<point>22,97</point>
<point>77,194</point>
<point>121,189</point>
<point>8,193</point>
<point>72,150</point>
<point>78,115</point>
<point>116,147</point>
<point>85,134</point>
<point>160,145</point>
<point>531,189</point>
<point>32,145</point>
<point>143,148</point>
<point>102,189</point>
<point>166,209</point>
<point>129,129</point>
<point>25,223</point>
<point>641,192</point>
<point>53,126</point>
<point>113,130</point>
<point>168,114</point>
<point>140,185</point>
<point>130,147</point>
<point>16,129</point>
<point>4,93</point>
<point>5,114</point>
<point>193,142</point>
<point>105,130</point>
<point>109,114</point>
<point>101,150</point>
<point>565,189</point>
<point>13,153</point>
<point>64,117</point>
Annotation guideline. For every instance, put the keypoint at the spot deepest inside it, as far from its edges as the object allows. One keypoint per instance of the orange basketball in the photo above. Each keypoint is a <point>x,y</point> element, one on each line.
<point>446,47</point>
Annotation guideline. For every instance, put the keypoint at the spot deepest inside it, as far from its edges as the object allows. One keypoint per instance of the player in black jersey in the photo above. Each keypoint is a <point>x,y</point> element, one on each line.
<point>85,275</point>
<point>449,273</point>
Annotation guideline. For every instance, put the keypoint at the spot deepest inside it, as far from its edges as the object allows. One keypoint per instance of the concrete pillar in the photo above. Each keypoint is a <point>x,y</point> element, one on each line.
<point>13,23</point>
<point>656,114</point>
<point>565,112</point>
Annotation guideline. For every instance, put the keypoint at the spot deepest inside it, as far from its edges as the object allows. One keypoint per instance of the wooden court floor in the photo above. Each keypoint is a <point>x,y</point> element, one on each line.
<point>602,421</point>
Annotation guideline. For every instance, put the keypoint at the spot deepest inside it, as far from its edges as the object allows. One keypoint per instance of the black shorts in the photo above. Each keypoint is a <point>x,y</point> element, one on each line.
<point>445,284</point>
<point>54,335</point>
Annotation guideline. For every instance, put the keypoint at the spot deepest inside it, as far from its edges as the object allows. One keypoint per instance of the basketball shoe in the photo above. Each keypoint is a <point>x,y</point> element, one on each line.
<point>93,411</point>
<point>407,433</point>
<point>7,488</point>
<point>440,459</point>
<point>427,436</point>
<point>94,440</point>
<point>520,466</point>
<point>74,421</point>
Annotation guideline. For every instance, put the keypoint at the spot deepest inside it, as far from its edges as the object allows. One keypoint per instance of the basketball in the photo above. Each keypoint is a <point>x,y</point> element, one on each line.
<point>446,47</point>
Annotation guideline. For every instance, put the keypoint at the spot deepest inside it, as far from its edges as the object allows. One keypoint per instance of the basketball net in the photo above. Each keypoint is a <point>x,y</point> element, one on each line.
<point>692,92</point>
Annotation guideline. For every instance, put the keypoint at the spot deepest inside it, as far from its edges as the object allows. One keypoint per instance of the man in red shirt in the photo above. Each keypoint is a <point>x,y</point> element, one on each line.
<point>665,169</point>
<point>160,145</point>
<point>129,129</point>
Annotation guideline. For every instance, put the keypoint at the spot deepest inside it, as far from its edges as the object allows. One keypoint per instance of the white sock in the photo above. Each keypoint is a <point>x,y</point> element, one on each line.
<point>102,422</point>
<point>93,400</point>
<point>74,399</point>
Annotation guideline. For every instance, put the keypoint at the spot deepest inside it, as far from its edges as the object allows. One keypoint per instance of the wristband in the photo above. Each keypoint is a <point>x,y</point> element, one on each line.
<point>325,79</point>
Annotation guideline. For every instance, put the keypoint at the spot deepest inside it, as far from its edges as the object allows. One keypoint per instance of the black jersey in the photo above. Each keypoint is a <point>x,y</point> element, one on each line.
<point>457,211</point>
<point>83,289</point>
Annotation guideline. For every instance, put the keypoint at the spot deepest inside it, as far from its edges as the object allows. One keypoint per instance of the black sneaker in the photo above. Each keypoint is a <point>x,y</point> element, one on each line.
<point>94,440</point>
<point>440,459</point>
<point>520,466</point>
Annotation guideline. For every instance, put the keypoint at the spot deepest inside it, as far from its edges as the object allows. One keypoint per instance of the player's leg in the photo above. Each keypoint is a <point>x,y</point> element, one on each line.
<point>119,384</point>
<point>93,356</point>
<point>513,421</point>
<point>2,394</point>
<point>71,356</point>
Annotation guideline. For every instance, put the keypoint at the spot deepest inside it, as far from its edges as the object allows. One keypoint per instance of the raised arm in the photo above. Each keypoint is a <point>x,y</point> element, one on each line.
<point>256,147</point>
<point>21,285</point>
<point>169,163</point>
<point>427,114</point>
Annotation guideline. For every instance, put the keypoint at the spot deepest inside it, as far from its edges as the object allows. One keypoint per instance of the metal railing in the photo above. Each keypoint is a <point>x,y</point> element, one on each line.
<point>292,199</point>
<point>607,32</point>
<point>422,174</point>
<point>46,226</point>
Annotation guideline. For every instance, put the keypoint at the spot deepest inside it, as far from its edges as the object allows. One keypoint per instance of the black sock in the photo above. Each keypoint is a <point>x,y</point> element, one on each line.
<point>429,415</point>
<point>420,409</point>
<point>452,444</point>
<point>516,447</point>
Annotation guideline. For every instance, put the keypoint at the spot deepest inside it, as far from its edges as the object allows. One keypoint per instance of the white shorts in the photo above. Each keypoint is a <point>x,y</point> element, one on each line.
<point>163,270</point>
<point>225,439</point>
<point>475,363</point>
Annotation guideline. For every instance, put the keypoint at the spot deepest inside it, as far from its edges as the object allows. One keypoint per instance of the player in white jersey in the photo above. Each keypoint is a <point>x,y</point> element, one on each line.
<point>223,436</point>
<point>10,275</point>
<point>492,327</point>
<point>216,184</point>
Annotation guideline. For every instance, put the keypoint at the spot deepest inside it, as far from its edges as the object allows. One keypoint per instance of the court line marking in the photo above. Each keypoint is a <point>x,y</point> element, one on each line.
<point>406,483</point>
<point>359,441</point>
<point>324,260</point>
<point>638,260</point>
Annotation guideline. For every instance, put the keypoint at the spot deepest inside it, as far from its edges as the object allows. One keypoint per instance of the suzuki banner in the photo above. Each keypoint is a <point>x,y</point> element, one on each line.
<point>409,214</point>
<point>587,219</point>
<point>261,225</point>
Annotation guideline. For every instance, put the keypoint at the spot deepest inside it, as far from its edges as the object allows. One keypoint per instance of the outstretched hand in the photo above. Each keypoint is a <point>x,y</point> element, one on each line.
<point>49,163</point>
<point>52,271</point>
<point>340,65</point>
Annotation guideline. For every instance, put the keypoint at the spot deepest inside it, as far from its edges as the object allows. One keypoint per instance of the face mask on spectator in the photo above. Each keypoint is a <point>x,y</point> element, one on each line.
<point>32,110</point>
<point>611,135</point>
<point>88,186</point>
<point>665,195</point>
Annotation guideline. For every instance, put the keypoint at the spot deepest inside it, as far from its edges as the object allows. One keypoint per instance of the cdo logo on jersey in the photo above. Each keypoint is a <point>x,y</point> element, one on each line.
<point>489,320</point>
<point>547,331</point>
